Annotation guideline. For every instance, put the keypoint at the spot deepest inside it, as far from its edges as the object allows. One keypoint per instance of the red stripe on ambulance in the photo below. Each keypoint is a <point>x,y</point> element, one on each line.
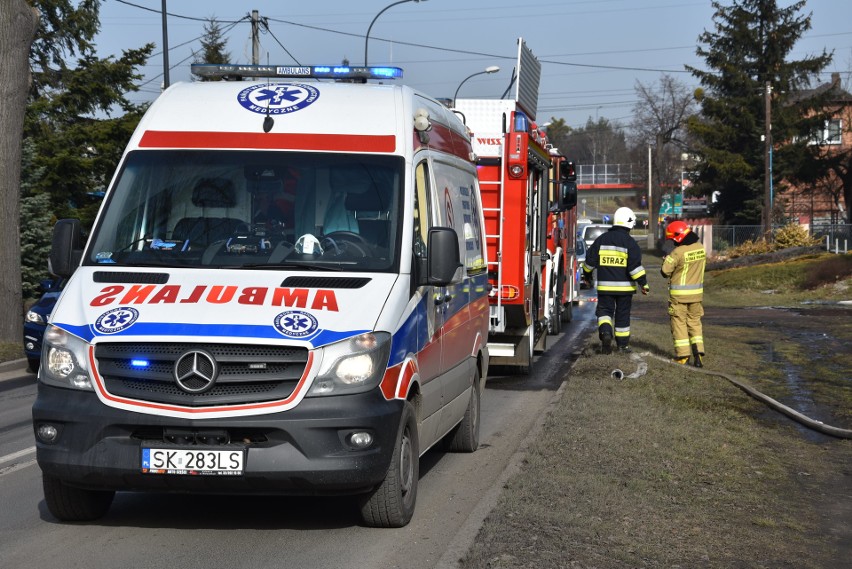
<point>290,141</point>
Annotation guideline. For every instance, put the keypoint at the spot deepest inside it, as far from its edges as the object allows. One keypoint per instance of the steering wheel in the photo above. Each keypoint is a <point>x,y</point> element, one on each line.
<point>349,240</point>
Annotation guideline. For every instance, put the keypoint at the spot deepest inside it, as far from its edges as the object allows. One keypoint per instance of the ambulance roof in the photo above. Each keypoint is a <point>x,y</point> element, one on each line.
<point>367,117</point>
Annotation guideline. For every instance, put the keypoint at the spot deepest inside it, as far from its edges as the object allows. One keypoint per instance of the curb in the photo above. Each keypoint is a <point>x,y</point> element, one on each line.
<point>467,533</point>
<point>14,365</point>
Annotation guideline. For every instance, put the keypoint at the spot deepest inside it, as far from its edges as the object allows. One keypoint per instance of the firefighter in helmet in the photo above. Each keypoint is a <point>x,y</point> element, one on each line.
<point>618,260</point>
<point>684,268</point>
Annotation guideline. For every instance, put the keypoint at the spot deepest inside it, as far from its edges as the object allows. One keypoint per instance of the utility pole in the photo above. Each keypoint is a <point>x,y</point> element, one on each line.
<point>255,37</point>
<point>165,49</point>
<point>767,166</point>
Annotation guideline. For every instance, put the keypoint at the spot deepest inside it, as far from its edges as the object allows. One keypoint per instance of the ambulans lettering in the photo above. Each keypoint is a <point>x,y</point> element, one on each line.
<point>277,98</point>
<point>116,320</point>
<point>318,299</point>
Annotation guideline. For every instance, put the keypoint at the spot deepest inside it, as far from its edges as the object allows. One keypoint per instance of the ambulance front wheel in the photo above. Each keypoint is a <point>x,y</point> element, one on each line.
<point>70,504</point>
<point>391,504</point>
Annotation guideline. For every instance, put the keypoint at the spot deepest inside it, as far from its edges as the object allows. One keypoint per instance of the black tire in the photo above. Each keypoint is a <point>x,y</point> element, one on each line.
<point>33,364</point>
<point>391,504</point>
<point>568,307</point>
<point>70,504</point>
<point>465,436</point>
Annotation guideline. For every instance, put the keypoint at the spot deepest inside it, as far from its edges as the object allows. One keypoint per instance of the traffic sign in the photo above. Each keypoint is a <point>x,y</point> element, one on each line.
<point>666,205</point>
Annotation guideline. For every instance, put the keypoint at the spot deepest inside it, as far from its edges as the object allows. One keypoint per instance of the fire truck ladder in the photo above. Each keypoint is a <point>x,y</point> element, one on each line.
<point>497,320</point>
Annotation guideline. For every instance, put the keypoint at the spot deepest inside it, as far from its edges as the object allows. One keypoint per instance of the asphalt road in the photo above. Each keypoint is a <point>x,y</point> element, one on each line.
<point>190,531</point>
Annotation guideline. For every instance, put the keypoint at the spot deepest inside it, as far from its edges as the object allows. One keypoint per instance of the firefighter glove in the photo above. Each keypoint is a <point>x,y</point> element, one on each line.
<point>646,289</point>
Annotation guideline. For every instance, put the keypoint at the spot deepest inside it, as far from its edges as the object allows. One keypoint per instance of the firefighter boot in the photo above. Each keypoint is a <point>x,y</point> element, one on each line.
<point>696,361</point>
<point>606,340</point>
<point>682,360</point>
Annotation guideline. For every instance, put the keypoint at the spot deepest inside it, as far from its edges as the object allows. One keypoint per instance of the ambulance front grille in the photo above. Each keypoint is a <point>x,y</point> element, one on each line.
<point>246,373</point>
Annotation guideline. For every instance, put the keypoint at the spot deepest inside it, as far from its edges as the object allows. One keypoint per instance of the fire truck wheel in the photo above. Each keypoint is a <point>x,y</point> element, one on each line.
<point>70,504</point>
<point>465,436</point>
<point>554,323</point>
<point>391,504</point>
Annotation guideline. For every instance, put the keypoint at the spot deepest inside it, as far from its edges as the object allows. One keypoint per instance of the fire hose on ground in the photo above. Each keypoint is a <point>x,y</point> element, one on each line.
<point>642,368</point>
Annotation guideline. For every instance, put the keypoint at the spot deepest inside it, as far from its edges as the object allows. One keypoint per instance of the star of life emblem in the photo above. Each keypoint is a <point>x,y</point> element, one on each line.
<point>116,320</point>
<point>277,98</point>
<point>295,324</point>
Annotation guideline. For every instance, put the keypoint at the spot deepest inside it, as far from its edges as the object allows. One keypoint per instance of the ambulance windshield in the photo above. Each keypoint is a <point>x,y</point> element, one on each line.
<point>252,209</point>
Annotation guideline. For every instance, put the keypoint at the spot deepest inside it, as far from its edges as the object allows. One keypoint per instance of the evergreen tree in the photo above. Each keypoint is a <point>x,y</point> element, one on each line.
<point>213,45</point>
<point>747,51</point>
<point>36,227</point>
<point>72,143</point>
<point>69,118</point>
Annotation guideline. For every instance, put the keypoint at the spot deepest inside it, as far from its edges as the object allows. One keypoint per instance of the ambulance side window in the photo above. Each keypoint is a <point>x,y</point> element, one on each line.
<point>421,209</point>
<point>458,207</point>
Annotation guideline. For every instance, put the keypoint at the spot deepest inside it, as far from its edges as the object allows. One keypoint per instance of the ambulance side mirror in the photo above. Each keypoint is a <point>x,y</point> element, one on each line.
<point>442,263</point>
<point>67,247</point>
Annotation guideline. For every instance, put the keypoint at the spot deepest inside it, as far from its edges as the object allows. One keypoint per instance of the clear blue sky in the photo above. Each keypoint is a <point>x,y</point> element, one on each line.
<point>592,51</point>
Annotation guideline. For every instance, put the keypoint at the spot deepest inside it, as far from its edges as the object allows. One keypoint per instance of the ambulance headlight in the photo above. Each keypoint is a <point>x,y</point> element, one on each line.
<point>353,365</point>
<point>64,360</point>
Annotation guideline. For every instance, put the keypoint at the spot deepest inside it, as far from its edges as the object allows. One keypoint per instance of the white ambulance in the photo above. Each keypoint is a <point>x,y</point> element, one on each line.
<point>285,291</point>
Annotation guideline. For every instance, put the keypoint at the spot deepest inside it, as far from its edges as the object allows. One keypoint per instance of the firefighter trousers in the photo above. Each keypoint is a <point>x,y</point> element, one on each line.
<point>613,314</point>
<point>686,327</point>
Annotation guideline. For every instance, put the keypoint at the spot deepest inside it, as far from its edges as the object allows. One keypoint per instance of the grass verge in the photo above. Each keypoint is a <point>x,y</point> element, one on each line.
<point>677,468</point>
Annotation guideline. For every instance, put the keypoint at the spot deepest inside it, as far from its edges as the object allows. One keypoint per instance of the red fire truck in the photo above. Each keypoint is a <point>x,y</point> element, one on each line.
<point>560,285</point>
<point>514,168</point>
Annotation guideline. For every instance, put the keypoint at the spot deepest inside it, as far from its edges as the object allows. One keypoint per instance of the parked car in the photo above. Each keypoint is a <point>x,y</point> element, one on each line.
<point>591,232</point>
<point>35,320</point>
<point>581,223</point>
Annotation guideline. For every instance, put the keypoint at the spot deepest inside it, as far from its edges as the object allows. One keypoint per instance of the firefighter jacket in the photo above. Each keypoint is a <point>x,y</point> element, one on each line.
<point>618,259</point>
<point>684,267</point>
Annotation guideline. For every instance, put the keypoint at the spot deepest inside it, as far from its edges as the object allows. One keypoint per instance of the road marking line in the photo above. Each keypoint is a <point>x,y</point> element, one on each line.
<point>16,467</point>
<point>14,455</point>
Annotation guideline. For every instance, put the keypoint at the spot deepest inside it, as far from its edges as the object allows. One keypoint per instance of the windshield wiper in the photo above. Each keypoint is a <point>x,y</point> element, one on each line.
<point>306,266</point>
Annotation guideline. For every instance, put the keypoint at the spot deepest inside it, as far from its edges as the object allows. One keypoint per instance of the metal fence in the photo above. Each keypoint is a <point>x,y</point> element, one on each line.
<point>727,236</point>
<point>609,174</point>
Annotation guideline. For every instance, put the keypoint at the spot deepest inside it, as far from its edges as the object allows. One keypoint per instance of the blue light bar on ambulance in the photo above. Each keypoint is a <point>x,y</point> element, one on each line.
<point>300,71</point>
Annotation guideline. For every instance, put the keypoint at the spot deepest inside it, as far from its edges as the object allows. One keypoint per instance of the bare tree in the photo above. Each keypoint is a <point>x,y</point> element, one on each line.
<point>18,23</point>
<point>659,121</point>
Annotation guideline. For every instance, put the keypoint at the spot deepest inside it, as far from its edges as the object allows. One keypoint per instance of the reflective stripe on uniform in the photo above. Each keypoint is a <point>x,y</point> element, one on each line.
<point>616,286</point>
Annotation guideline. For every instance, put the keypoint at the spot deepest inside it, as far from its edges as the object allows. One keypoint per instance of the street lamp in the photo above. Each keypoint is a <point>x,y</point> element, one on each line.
<point>367,39</point>
<point>492,69</point>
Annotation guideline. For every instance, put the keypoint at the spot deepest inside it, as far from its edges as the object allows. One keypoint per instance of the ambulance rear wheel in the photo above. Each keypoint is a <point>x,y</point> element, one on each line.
<point>70,504</point>
<point>391,504</point>
<point>465,436</point>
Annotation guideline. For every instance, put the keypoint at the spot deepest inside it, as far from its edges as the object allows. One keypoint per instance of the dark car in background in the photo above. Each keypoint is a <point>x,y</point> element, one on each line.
<point>35,320</point>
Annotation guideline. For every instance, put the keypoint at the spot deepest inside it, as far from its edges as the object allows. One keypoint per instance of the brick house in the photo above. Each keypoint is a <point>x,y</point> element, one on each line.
<point>824,203</point>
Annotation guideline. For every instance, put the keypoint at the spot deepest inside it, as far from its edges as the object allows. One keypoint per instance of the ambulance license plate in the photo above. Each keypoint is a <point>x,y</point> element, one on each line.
<point>194,462</point>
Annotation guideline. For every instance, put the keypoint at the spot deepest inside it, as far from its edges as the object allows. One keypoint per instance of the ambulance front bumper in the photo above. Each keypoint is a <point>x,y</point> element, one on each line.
<point>304,451</point>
